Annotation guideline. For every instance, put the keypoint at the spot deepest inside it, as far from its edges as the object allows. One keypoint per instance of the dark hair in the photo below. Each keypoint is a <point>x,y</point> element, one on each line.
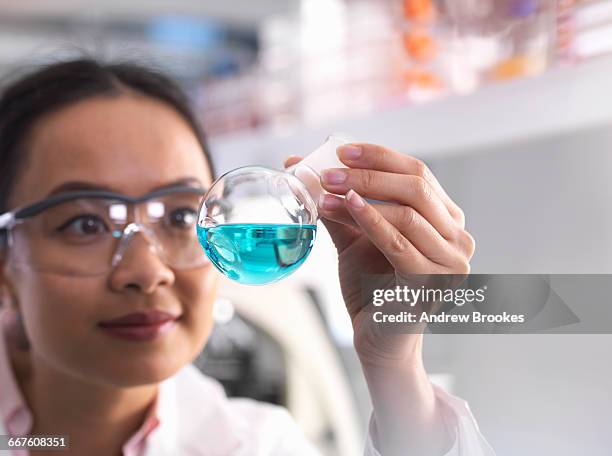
<point>57,85</point>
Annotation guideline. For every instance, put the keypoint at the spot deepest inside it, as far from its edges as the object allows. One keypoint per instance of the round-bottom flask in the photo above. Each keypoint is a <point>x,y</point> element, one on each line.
<point>258,225</point>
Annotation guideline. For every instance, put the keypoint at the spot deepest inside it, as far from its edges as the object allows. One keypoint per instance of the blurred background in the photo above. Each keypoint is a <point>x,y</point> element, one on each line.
<point>509,102</point>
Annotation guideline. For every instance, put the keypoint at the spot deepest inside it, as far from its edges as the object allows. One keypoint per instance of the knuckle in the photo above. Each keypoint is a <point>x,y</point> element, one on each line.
<point>422,188</point>
<point>470,243</point>
<point>464,242</point>
<point>377,218</point>
<point>367,180</point>
<point>421,169</point>
<point>463,268</point>
<point>399,244</point>
<point>459,216</point>
<point>380,157</point>
<point>409,218</point>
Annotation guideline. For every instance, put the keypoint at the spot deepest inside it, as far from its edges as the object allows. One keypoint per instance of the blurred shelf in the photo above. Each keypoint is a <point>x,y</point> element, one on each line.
<point>558,102</point>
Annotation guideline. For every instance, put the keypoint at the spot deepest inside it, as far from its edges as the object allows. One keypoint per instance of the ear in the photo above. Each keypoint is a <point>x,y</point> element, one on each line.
<point>2,268</point>
<point>4,292</point>
<point>4,242</point>
<point>7,295</point>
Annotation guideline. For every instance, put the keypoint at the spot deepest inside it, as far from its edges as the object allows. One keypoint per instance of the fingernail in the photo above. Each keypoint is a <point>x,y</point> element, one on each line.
<point>290,158</point>
<point>350,152</point>
<point>333,176</point>
<point>354,199</point>
<point>328,202</point>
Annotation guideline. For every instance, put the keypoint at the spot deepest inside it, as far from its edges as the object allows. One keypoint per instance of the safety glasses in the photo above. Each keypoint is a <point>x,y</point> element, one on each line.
<point>85,233</point>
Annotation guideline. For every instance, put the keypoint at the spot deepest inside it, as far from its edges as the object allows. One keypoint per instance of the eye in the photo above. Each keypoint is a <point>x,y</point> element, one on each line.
<point>84,225</point>
<point>184,217</point>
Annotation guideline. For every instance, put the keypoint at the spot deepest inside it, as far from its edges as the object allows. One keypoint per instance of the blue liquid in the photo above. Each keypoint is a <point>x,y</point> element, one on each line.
<point>256,254</point>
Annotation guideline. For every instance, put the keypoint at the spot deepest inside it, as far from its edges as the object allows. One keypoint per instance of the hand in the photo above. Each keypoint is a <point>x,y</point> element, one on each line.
<point>415,229</point>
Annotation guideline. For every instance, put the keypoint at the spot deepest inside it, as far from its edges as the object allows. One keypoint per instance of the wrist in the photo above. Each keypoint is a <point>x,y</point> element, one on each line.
<point>390,352</point>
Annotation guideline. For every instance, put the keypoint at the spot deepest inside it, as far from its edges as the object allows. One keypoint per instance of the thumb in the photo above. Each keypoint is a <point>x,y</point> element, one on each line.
<point>342,235</point>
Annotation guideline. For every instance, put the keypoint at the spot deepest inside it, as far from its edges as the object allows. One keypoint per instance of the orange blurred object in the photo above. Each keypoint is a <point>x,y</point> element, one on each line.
<point>420,45</point>
<point>423,79</point>
<point>517,66</point>
<point>510,68</point>
<point>419,10</point>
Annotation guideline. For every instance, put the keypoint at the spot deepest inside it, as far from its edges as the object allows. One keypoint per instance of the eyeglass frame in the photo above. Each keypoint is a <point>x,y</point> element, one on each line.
<point>10,219</point>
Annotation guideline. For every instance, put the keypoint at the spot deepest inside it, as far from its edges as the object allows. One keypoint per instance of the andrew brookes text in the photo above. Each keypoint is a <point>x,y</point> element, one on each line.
<point>474,317</point>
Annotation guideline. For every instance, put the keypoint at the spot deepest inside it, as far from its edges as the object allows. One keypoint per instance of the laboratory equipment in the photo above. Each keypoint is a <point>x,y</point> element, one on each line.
<point>258,225</point>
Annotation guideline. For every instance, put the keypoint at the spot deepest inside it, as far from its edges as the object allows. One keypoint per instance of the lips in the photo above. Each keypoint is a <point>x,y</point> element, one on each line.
<point>140,326</point>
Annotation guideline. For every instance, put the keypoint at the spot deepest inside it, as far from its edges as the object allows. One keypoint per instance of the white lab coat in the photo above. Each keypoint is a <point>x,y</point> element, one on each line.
<point>198,419</point>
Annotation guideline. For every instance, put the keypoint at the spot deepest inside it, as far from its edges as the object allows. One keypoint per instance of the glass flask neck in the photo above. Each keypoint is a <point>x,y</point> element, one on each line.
<point>308,171</point>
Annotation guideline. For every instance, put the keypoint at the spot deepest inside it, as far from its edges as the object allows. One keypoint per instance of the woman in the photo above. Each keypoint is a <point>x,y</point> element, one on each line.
<point>107,303</point>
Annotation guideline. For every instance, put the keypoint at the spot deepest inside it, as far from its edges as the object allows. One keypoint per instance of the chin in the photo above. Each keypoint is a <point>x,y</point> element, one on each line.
<point>140,372</point>
<point>136,364</point>
<point>121,363</point>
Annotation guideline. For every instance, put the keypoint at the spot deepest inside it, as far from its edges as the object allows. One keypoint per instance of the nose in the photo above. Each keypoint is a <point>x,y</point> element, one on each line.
<point>137,265</point>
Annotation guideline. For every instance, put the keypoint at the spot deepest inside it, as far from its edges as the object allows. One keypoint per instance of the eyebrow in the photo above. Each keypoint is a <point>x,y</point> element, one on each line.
<point>80,185</point>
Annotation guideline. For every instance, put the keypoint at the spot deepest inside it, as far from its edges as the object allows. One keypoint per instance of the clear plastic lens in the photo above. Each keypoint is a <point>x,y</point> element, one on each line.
<point>87,236</point>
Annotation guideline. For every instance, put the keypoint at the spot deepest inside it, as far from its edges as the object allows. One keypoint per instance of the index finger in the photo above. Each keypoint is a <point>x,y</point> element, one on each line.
<point>381,158</point>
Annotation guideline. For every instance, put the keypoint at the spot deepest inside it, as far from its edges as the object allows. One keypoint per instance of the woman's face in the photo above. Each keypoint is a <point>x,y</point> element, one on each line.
<point>132,144</point>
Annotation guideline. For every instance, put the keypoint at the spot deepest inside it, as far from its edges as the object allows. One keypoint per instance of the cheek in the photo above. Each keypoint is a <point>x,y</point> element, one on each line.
<point>59,318</point>
<point>198,291</point>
